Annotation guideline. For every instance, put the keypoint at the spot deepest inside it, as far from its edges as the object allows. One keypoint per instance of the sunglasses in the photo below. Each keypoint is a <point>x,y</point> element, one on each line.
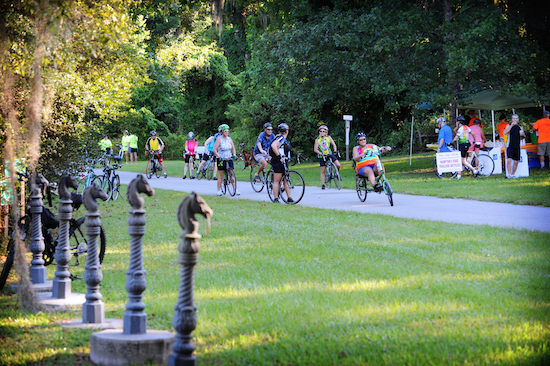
<point>269,129</point>
<point>363,139</point>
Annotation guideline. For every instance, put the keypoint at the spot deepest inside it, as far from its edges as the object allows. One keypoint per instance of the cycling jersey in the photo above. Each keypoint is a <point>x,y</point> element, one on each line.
<point>370,158</point>
<point>191,146</point>
<point>463,133</point>
<point>324,145</point>
<point>210,146</point>
<point>154,144</point>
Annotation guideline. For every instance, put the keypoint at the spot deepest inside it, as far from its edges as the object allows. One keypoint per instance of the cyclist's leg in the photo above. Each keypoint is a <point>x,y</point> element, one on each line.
<point>277,184</point>
<point>221,173</point>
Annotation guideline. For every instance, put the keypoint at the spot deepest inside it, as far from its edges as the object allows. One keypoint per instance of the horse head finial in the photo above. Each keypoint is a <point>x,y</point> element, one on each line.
<point>90,195</point>
<point>36,181</point>
<point>137,186</point>
<point>187,209</point>
<point>65,183</point>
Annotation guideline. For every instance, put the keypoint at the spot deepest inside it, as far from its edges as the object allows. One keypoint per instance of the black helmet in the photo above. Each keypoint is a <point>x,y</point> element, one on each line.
<point>283,127</point>
<point>267,124</point>
<point>460,119</point>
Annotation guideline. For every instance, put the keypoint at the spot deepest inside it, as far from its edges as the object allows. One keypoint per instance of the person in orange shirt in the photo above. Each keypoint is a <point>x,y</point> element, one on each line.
<point>543,127</point>
<point>501,126</point>
<point>473,117</point>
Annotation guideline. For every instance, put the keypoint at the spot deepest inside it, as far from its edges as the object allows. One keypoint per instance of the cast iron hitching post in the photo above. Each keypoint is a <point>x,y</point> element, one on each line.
<point>185,317</point>
<point>37,272</point>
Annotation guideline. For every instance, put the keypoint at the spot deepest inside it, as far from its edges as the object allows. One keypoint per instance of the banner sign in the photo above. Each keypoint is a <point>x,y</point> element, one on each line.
<point>448,162</point>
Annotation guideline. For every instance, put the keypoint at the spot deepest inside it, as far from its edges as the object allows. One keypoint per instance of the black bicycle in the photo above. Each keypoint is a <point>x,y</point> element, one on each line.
<point>291,186</point>
<point>331,173</point>
<point>207,170</point>
<point>153,167</point>
<point>300,158</point>
<point>229,183</point>
<point>77,240</point>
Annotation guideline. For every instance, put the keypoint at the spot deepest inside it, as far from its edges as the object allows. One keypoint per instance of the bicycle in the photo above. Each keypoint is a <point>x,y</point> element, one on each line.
<point>153,164</point>
<point>481,162</point>
<point>85,179</point>
<point>207,170</point>
<point>257,184</point>
<point>331,173</point>
<point>362,184</point>
<point>299,159</point>
<point>291,181</point>
<point>228,180</point>
<point>109,182</point>
<point>247,157</point>
<point>77,240</point>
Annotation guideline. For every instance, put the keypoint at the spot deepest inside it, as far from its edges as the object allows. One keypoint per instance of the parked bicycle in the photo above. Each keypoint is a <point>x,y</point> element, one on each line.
<point>153,167</point>
<point>332,175</point>
<point>291,186</point>
<point>207,170</point>
<point>300,158</point>
<point>109,182</point>
<point>481,162</point>
<point>85,179</point>
<point>77,240</point>
<point>229,183</point>
<point>246,157</point>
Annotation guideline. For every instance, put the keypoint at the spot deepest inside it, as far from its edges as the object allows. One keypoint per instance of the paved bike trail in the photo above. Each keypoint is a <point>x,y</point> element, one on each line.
<point>459,211</point>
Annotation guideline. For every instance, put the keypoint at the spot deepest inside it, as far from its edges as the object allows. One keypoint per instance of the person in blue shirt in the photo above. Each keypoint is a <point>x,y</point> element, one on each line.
<point>262,147</point>
<point>445,136</point>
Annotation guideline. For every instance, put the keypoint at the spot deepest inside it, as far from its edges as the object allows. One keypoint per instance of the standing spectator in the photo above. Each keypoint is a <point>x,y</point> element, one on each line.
<point>106,145</point>
<point>445,137</point>
<point>322,147</point>
<point>125,144</point>
<point>501,126</point>
<point>513,151</point>
<point>155,145</point>
<point>473,118</point>
<point>543,127</point>
<point>133,149</point>
<point>478,136</point>
<point>262,147</point>
<point>190,148</point>
<point>462,135</point>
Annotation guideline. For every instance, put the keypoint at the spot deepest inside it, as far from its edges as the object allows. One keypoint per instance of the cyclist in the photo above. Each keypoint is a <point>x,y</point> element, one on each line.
<point>133,149</point>
<point>462,135</point>
<point>278,152</point>
<point>322,147</point>
<point>208,147</point>
<point>125,142</point>
<point>106,145</point>
<point>261,155</point>
<point>477,131</point>
<point>366,158</point>
<point>190,148</point>
<point>224,149</point>
<point>154,143</point>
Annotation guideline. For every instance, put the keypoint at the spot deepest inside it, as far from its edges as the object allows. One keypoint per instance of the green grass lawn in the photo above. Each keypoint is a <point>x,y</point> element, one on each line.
<point>291,285</point>
<point>419,179</point>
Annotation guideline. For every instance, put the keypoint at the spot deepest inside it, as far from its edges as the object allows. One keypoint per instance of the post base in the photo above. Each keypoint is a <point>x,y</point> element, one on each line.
<point>93,312</point>
<point>61,288</point>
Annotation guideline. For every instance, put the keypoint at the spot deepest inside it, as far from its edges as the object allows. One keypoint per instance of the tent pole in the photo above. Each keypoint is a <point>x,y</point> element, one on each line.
<point>412,126</point>
<point>493,115</point>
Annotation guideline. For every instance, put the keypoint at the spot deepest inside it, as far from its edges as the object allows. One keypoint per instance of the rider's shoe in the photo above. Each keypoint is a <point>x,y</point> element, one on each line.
<point>219,192</point>
<point>237,193</point>
<point>457,177</point>
<point>323,186</point>
<point>185,176</point>
<point>476,173</point>
<point>276,200</point>
<point>192,177</point>
<point>165,175</point>
<point>378,188</point>
<point>257,178</point>
<point>290,200</point>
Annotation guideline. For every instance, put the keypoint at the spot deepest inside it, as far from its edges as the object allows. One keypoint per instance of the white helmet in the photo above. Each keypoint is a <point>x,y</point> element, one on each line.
<point>191,135</point>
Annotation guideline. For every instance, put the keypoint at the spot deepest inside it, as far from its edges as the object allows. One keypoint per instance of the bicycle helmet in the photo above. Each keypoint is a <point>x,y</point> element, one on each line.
<point>460,119</point>
<point>191,135</point>
<point>223,127</point>
<point>441,120</point>
<point>283,127</point>
<point>359,135</point>
<point>267,124</point>
<point>153,133</point>
<point>323,127</point>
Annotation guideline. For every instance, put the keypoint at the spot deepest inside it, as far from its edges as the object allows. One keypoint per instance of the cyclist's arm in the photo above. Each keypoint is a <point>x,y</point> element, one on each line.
<point>260,147</point>
<point>207,142</point>
<point>355,153</point>
<point>215,148</point>
<point>161,145</point>
<point>315,147</point>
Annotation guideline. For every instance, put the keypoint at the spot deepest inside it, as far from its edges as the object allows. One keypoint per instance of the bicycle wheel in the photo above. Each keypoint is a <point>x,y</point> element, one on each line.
<point>388,192</point>
<point>361,188</point>
<point>448,175</point>
<point>296,186</point>
<point>149,170</point>
<point>157,169</point>
<point>224,183</point>
<point>336,177</point>
<point>115,192</point>
<point>102,182</point>
<point>79,247</point>
<point>269,185</point>
<point>82,185</point>
<point>328,174</point>
<point>24,224</point>
<point>486,165</point>
<point>231,178</point>
<point>257,186</point>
